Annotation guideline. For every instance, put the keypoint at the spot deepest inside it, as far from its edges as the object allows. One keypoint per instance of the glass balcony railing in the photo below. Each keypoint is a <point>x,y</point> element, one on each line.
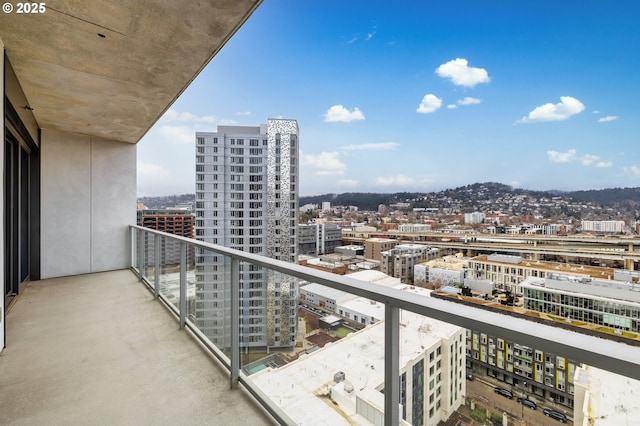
<point>218,294</point>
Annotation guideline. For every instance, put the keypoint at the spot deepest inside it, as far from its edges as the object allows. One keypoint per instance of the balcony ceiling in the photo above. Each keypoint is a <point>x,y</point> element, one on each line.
<point>111,68</point>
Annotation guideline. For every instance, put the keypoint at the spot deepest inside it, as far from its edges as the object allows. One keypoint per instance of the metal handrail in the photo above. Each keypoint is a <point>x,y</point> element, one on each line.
<point>608,355</point>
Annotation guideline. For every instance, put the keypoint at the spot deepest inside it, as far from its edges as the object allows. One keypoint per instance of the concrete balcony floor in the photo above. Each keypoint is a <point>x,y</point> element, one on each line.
<point>98,349</point>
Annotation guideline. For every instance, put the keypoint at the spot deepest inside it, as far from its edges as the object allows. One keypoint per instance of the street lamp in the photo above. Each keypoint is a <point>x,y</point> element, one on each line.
<point>525,397</point>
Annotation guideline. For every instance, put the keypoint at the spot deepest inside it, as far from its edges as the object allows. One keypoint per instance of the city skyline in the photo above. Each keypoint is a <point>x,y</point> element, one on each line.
<point>433,95</point>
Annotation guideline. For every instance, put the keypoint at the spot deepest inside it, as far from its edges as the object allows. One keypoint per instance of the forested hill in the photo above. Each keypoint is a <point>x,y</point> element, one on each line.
<point>627,199</point>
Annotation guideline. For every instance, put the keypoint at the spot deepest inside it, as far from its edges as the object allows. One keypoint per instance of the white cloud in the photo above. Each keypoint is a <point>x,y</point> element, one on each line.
<point>371,34</point>
<point>464,101</point>
<point>349,183</point>
<point>430,103</point>
<point>151,171</point>
<point>515,184</point>
<point>173,115</point>
<point>469,101</point>
<point>632,171</point>
<point>385,146</point>
<point>589,159</point>
<point>595,111</point>
<point>607,118</point>
<point>339,113</point>
<point>325,163</point>
<point>567,107</point>
<point>571,155</point>
<point>561,157</point>
<point>177,134</point>
<point>461,74</point>
<point>245,113</point>
<point>395,180</point>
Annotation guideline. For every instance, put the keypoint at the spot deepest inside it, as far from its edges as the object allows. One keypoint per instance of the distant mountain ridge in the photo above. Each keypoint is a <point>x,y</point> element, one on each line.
<point>469,197</point>
<point>620,198</point>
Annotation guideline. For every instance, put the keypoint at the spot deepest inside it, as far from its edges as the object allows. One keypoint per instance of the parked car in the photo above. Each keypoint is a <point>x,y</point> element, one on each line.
<point>469,376</point>
<point>555,415</point>
<point>528,403</point>
<point>504,392</point>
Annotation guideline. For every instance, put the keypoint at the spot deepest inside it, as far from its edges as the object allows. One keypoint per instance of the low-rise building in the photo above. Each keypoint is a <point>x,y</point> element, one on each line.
<point>509,271</point>
<point>609,303</point>
<point>603,398</point>
<point>439,272</point>
<point>343,383</point>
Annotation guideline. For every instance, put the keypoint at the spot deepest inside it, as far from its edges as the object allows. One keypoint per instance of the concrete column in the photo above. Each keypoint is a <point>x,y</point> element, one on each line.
<point>628,264</point>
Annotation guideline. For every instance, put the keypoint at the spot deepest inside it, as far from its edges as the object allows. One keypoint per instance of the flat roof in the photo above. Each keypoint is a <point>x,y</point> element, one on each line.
<point>327,292</point>
<point>301,388</point>
<point>364,306</point>
<point>612,398</point>
<point>557,267</point>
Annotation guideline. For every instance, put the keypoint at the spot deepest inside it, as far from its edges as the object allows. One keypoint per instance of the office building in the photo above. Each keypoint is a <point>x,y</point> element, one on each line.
<point>608,303</point>
<point>318,238</point>
<point>176,222</point>
<point>247,199</point>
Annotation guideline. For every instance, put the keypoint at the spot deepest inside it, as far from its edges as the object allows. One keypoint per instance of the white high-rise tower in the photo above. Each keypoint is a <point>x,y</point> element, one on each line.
<point>247,199</point>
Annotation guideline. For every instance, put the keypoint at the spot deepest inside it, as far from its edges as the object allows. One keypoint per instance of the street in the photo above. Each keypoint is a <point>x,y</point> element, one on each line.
<point>482,393</point>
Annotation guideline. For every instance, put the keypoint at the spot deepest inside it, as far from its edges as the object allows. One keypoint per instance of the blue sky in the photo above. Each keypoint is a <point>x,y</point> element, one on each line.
<point>423,95</point>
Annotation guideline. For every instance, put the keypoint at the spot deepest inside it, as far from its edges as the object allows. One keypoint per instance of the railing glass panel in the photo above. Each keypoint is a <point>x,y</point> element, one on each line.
<point>244,307</point>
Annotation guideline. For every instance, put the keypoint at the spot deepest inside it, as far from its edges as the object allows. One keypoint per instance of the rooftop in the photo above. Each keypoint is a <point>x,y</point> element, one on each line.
<point>302,388</point>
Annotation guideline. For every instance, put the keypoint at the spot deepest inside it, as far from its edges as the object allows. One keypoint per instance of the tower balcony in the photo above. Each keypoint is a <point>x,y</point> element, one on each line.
<point>123,346</point>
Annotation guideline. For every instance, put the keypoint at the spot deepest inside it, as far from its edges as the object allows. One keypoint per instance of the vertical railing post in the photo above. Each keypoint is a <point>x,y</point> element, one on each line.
<point>156,265</point>
<point>391,365</point>
<point>183,284</point>
<point>235,322</point>
<point>140,253</point>
<point>132,239</point>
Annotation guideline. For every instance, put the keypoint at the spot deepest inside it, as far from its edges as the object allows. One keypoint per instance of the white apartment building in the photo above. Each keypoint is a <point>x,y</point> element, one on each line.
<point>247,199</point>
<point>603,398</point>
<point>607,226</point>
<point>472,218</point>
<point>444,271</point>
<point>414,227</point>
<point>343,383</point>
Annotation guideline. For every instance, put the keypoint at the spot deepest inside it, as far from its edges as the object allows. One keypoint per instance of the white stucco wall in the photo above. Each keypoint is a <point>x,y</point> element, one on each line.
<point>88,198</point>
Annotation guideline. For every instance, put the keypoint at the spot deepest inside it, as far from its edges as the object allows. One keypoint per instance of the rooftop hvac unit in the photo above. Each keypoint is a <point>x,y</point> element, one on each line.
<point>348,387</point>
<point>338,377</point>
